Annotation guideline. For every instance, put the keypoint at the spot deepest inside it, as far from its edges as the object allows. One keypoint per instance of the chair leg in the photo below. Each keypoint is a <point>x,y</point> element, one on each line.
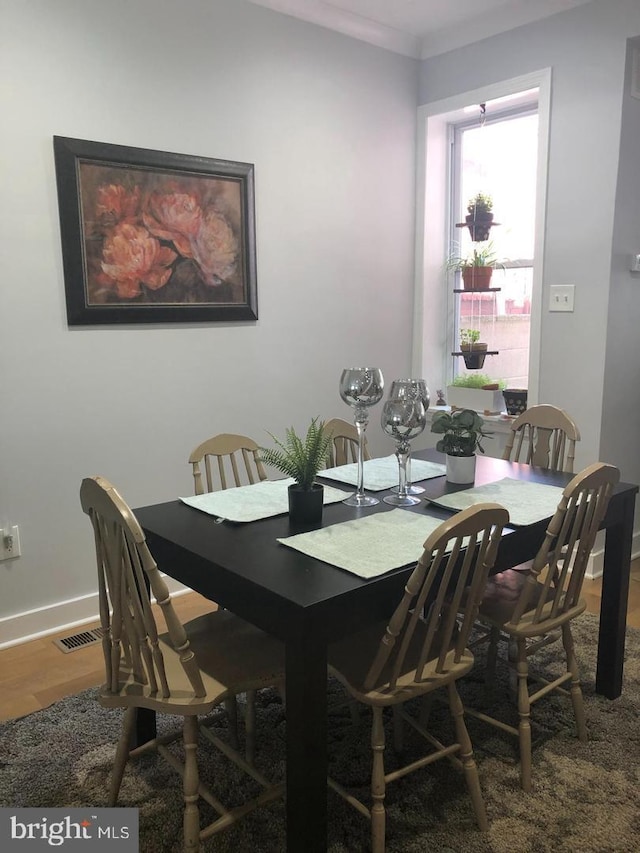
<point>191,782</point>
<point>250,726</point>
<point>466,755</point>
<point>122,754</point>
<point>512,661</point>
<point>576,691</point>
<point>524,710</point>
<point>377,784</point>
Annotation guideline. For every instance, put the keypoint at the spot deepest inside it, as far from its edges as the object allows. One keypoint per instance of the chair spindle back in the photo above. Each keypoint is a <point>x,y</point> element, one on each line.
<point>126,573</point>
<point>456,562</point>
<point>545,436</point>
<point>568,542</point>
<point>229,460</point>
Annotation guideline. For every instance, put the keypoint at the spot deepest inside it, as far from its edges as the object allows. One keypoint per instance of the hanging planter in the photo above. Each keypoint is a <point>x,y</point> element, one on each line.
<point>479,218</point>
<point>477,268</point>
<point>477,278</point>
<point>472,349</point>
<point>479,226</point>
<point>474,356</point>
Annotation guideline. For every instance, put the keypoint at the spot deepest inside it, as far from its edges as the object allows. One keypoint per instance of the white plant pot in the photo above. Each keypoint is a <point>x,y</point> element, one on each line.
<point>484,402</point>
<point>461,469</point>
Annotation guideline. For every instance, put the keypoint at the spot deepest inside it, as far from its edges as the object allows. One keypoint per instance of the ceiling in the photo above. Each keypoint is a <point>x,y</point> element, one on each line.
<point>420,28</point>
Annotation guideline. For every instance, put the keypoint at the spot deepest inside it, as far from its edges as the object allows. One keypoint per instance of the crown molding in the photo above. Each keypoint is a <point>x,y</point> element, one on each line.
<point>461,29</point>
<point>347,23</point>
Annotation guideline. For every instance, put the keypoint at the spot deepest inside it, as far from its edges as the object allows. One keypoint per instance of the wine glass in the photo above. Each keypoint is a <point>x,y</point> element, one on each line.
<point>403,420</point>
<point>361,387</point>
<point>410,389</point>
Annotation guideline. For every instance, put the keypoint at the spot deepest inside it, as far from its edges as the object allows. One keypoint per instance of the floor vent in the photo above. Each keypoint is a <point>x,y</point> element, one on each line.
<point>79,641</point>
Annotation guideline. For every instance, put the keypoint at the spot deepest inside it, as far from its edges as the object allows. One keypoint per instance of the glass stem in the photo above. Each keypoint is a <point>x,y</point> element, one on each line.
<point>408,469</point>
<point>361,420</point>
<point>402,455</point>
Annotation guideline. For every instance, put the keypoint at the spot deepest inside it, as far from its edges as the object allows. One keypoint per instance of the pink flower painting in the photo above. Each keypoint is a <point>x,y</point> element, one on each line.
<point>156,237</point>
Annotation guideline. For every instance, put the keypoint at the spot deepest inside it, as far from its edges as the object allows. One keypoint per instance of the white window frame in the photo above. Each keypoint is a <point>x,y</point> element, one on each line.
<point>433,317</point>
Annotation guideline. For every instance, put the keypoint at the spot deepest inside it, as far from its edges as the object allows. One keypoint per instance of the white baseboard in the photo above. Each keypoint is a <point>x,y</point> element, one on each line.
<point>62,616</point>
<point>596,560</point>
<point>595,565</point>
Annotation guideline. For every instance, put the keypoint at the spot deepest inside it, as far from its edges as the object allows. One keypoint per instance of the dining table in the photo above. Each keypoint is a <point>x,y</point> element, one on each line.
<point>308,603</point>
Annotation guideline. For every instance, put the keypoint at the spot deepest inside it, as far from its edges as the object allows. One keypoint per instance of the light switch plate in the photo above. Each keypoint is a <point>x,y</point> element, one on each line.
<point>561,297</point>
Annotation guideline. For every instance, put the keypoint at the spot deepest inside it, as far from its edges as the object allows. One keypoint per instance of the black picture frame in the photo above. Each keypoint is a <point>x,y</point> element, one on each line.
<point>154,237</point>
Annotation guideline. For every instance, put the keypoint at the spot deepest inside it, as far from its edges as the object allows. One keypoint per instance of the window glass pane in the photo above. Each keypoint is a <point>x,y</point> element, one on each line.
<point>500,159</point>
<point>504,320</point>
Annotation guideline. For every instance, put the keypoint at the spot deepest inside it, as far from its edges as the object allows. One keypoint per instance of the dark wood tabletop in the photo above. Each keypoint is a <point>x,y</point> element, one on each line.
<point>304,601</point>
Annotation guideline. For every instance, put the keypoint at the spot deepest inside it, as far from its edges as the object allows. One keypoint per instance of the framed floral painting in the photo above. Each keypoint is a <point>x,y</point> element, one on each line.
<point>153,237</point>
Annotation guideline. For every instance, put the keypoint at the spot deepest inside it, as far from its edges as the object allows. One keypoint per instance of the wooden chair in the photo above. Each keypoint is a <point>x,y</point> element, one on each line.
<point>233,456</point>
<point>344,447</point>
<point>388,664</point>
<point>544,436</point>
<point>186,671</point>
<point>536,607</point>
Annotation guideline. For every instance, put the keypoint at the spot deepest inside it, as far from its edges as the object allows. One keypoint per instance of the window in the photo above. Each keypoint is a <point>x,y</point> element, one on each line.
<point>497,155</point>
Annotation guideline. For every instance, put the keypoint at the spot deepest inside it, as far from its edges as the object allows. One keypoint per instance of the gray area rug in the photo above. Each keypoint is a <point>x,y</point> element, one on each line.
<point>586,796</point>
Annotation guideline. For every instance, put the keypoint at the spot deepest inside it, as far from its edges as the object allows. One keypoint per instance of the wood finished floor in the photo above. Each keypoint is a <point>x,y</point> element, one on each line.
<point>33,675</point>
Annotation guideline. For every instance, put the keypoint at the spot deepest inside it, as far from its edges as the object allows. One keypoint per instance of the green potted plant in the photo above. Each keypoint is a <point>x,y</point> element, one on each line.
<point>476,268</point>
<point>477,391</point>
<point>462,432</point>
<point>301,460</point>
<point>472,348</point>
<point>479,218</point>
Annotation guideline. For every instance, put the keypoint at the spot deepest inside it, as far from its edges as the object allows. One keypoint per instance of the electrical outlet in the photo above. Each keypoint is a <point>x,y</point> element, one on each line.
<point>9,542</point>
<point>561,297</point>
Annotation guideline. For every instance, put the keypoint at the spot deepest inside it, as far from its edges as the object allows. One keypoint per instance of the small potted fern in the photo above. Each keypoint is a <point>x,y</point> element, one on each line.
<point>301,459</point>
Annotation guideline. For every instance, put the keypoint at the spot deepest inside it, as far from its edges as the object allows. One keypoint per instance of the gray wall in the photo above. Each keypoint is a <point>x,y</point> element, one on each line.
<point>329,123</point>
<point>621,401</point>
<point>586,49</point>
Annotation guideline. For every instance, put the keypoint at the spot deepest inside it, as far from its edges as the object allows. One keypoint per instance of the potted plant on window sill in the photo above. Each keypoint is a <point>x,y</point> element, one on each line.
<point>301,460</point>
<point>477,268</point>
<point>476,391</point>
<point>461,431</point>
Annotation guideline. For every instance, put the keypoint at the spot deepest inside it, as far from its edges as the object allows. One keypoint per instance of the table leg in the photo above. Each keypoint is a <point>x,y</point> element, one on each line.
<point>614,602</point>
<point>145,728</point>
<point>306,694</point>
